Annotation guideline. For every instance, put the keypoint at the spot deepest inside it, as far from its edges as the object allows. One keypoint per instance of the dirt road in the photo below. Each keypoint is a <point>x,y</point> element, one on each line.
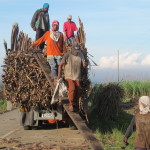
<point>12,135</point>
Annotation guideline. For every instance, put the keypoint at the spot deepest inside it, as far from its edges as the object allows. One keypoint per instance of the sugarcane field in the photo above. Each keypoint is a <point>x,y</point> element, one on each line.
<point>74,75</point>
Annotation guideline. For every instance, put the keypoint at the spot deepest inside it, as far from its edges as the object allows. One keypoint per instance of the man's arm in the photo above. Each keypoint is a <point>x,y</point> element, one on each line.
<point>84,63</point>
<point>63,45</point>
<point>48,22</point>
<point>34,19</point>
<point>130,129</point>
<point>65,31</point>
<point>60,69</point>
<point>40,40</point>
<point>63,61</point>
<point>75,27</point>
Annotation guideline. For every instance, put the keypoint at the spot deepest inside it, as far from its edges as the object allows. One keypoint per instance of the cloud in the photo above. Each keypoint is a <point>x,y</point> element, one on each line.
<point>146,60</point>
<point>126,61</point>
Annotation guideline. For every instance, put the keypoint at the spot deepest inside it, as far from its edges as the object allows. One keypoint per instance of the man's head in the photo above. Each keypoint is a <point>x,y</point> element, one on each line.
<point>144,104</point>
<point>69,18</point>
<point>75,49</point>
<point>55,25</point>
<point>45,7</point>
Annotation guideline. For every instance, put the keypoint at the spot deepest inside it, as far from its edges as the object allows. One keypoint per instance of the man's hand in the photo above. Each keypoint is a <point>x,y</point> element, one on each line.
<point>58,77</point>
<point>125,140</point>
<point>34,28</point>
<point>65,37</point>
<point>85,65</point>
<point>31,47</point>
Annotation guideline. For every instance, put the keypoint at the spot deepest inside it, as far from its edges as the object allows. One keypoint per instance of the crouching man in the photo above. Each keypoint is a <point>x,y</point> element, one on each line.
<point>72,63</point>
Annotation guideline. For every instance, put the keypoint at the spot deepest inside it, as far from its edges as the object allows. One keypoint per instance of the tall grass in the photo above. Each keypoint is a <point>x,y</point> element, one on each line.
<point>3,105</point>
<point>135,89</point>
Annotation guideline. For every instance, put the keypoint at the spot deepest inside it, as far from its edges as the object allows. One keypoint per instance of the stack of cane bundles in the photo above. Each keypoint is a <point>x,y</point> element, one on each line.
<point>23,79</point>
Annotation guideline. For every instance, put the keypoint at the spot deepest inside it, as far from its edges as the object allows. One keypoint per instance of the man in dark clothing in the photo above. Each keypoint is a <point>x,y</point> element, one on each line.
<point>40,22</point>
<point>141,122</point>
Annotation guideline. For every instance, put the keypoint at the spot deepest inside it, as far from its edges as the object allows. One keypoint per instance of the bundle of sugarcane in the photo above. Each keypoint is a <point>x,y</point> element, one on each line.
<point>80,37</point>
<point>23,80</point>
<point>105,100</point>
<point>1,95</point>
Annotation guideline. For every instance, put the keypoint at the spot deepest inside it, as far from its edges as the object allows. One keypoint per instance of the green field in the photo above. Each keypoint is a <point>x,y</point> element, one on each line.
<point>111,133</point>
<point>135,89</point>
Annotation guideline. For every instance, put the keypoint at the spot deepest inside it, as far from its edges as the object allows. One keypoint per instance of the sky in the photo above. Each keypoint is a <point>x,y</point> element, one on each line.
<point>110,25</point>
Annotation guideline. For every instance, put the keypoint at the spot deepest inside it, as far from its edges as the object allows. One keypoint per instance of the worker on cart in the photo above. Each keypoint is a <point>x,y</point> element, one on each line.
<point>72,63</point>
<point>69,28</point>
<point>141,121</point>
<point>41,23</point>
<point>55,48</point>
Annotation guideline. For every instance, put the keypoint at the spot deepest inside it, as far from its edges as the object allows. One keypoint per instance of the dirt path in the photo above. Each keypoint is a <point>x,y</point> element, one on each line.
<point>12,135</point>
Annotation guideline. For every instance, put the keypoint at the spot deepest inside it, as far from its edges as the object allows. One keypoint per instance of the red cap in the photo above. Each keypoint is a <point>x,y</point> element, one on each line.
<point>55,22</point>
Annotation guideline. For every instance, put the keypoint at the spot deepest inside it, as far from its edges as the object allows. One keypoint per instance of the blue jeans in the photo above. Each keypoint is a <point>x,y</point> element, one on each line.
<point>54,61</point>
<point>70,40</point>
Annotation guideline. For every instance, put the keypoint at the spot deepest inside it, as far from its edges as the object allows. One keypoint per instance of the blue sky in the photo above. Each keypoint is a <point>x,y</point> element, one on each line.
<point>110,25</point>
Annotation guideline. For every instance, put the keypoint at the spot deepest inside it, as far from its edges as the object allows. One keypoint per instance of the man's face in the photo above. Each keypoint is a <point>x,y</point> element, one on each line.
<point>69,20</point>
<point>45,9</point>
<point>75,53</point>
<point>55,27</point>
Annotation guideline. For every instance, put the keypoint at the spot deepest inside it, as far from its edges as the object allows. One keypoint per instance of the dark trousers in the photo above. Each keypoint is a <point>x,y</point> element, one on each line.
<point>73,93</point>
<point>40,33</point>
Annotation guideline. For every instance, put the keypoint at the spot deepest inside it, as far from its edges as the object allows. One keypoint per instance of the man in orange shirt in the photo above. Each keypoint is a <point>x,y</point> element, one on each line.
<point>55,46</point>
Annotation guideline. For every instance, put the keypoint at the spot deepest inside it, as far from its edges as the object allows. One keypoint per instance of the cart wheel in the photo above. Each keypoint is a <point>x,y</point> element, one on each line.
<point>27,128</point>
<point>35,128</point>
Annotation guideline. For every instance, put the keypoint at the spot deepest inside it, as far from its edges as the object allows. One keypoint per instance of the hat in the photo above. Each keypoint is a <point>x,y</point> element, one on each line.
<point>69,17</point>
<point>45,5</point>
<point>55,22</point>
<point>144,102</point>
<point>76,47</point>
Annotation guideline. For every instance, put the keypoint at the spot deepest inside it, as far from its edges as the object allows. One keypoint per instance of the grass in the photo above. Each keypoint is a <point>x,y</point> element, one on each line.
<point>135,89</point>
<point>3,105</point>
<point>111,133</point>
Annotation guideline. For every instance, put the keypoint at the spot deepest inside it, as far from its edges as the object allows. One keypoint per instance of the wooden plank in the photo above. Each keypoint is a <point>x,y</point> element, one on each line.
<point>45,68</point>
<point>81,125</point>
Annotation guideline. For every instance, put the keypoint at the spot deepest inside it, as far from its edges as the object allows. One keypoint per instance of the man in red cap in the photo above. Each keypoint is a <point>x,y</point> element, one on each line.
<point>55,47</point>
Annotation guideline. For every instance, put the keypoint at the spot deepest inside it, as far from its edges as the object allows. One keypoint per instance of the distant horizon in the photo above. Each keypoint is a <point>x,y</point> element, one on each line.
<point>98,76</point>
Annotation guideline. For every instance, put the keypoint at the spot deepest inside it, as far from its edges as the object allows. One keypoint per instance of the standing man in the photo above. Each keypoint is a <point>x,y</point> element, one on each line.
<point>72,63</point>
<point>69,28</point>
<point>55,48</point>
<point>40,22</point>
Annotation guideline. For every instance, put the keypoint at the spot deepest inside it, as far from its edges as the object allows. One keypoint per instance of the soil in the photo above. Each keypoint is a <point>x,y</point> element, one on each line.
<point>14,137</point>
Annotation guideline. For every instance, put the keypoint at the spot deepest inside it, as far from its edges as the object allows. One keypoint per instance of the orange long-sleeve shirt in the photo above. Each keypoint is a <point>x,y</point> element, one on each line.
<point>53,48</point>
